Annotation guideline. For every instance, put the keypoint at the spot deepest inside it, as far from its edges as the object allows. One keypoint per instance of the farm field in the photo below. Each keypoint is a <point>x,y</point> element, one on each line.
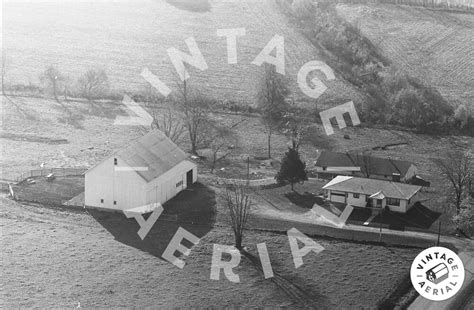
<point>434,46</point>
<point>57,258</point>
<point>123,37</point>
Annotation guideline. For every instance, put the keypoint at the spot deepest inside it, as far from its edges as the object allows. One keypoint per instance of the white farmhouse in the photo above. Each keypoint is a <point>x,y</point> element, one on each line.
<point>371,193</point>
<point>152,169</point>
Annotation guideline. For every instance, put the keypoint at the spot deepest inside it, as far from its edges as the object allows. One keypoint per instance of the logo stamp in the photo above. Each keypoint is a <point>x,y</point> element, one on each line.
<point>437,273</point>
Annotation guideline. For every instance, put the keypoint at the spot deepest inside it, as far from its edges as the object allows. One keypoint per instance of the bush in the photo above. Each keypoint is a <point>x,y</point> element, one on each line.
<point>413,105</point>
<point>94,84</point>
<point>465,219</point>
<point>23,88</point>
<point>464,120</point>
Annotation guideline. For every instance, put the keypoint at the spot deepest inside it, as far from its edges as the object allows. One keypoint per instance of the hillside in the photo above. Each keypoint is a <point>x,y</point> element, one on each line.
<point>434,46</point>
<point>124,37</point>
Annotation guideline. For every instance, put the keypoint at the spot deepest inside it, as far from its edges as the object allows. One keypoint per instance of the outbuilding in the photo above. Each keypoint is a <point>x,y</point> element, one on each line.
<point>151,169</point>
<point>331,164</point>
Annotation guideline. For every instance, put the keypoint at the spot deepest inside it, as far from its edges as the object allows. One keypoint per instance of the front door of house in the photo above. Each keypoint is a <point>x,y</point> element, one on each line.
<point>379,203</point>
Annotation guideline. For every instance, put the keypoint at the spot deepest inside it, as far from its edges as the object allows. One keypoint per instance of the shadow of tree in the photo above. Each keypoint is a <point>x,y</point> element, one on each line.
<point>73,120</point>
<point>194,209</point>
<point>306,200</point>
<point>293,286</point>
<point>70,118</point>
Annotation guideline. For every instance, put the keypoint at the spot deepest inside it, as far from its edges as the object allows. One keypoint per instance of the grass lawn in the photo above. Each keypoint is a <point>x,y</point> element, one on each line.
<point>60,258</point>
<point>54,192</point>
<point>284,199</point>
<point>345,275</point>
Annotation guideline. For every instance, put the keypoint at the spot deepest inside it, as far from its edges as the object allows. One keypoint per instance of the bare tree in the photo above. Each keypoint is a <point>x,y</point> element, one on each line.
<point>221,142</point>
<point>165,117</point>
<point>53,80</point>
<point>238,203</point>
<point>296,125</point>
<point>195,108</point>
<point>363,160</point>
<point>93,83</point>
<point>272,104</point>
<point>171,124</point>
<point>457,168</point>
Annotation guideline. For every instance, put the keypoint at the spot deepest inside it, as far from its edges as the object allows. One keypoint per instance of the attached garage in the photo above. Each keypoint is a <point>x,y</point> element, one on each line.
<point>337,196</point>
<point>150,169</point>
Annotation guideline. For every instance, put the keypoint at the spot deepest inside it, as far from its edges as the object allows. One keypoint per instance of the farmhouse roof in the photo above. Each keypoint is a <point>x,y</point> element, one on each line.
<point>417,180</point>
<point>374,165</point>
<point>154,151</point>
<point>372,187</point>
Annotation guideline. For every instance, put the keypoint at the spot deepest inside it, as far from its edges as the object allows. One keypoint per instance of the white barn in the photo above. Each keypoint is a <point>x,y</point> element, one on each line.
<point>152,169</point>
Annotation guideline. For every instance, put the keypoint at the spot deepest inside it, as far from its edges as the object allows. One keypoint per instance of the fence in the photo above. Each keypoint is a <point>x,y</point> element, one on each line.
<point>4,187</point>
<point>223,181</point>
<point>59,172</point>
<point>461,5</point>
<point>442,4</point>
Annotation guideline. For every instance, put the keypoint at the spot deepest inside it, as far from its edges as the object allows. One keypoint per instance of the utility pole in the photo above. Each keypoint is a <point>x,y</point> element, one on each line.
<point>381,222</point>
<point>248,171</point>
<point>439,232</point>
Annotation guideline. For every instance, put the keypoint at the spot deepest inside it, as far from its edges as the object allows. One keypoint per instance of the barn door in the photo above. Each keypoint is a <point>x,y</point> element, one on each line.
<point>189,178</point>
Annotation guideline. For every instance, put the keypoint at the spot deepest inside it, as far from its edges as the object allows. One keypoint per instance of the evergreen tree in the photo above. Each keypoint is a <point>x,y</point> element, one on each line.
<point>292,169</point>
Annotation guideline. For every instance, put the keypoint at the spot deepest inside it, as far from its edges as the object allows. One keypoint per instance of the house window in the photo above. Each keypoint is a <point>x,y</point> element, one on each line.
<point>180,183</point>
<point>102,201</point>
<point>115,202</point>
<point>393,202</point>
<point>115,161</point>
<point>355,195</point>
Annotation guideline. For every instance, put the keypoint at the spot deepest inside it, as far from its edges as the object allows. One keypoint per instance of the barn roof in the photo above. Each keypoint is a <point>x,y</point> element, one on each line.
<point>374,165</point>
<point>372,187</point>
<point>154,151</point>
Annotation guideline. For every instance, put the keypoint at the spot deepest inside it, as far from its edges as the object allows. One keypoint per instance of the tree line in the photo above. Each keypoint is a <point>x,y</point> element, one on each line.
<point>392,96</point>
<point>93,84</point>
